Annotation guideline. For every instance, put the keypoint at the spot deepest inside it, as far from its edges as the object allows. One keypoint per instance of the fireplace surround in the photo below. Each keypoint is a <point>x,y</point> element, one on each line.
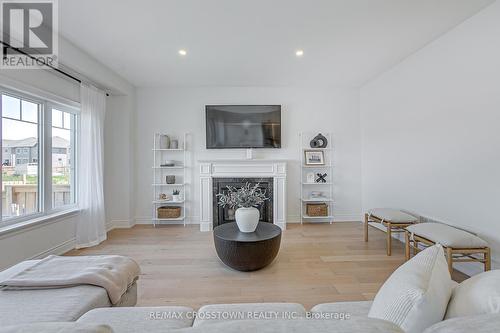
<point>213,171</point>
<point>223,215</point>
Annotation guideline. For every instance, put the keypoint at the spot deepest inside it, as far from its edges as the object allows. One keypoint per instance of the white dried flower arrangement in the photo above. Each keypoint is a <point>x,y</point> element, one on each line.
<point>244,197</point>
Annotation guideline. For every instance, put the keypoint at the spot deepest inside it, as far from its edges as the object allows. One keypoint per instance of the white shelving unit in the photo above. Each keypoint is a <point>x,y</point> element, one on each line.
<point>307,187</point>
<point>159,184</point>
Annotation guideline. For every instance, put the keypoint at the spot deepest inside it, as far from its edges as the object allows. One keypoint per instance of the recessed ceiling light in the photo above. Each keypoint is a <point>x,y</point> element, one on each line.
<point>299,53</point>
<point>182,52</point>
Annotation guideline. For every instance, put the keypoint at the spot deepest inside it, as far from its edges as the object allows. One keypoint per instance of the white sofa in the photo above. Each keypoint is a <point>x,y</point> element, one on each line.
<point>138,320</point>
<point>410,297</point>
<point>417,297</point>
<point>129,320</point>
<point>53,305</point>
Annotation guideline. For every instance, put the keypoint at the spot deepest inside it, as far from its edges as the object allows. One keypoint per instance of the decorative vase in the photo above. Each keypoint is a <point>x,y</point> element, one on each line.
<point>176,197</point>
<point>247,218</point>
<point>319,141</point>
<point>310,177</point>
<point>174,144</point>
<point>170,179</point>
<point>164,142</point>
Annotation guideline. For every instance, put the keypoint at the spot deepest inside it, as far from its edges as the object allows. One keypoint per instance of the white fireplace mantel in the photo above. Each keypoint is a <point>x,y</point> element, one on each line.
<point>210,169</point>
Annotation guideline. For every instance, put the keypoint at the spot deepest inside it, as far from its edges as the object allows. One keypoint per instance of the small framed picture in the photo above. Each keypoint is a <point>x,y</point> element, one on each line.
<point>314,157</point>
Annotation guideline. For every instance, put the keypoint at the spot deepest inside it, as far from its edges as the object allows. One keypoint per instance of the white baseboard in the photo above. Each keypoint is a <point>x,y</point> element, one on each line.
<point>348,217</point>
<point>336,218</point>
<point>147,220</point>
<point>57,250</point>
<point>293,219</point>
<point>206,227</point>
<point>119,224</point>
<point>196,220</point>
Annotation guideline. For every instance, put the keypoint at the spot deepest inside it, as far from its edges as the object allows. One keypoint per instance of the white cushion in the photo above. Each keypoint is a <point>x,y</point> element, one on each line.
<point>392,215</point>
<point>360,308</point>
<point>56,327</point>
<point>476,296</point>
<point>447,235</point>
<point>141,319</point>
<point>301,325</point>
<point>53,305</point>
<point>216,313</point>
<point>416,295</point>
<point>482,324</point>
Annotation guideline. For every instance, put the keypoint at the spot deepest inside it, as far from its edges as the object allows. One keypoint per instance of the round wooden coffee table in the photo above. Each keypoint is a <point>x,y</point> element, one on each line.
<point>247,251</point>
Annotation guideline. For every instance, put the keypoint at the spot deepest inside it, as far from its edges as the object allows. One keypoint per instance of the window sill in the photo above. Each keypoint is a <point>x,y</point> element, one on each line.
<point>37,222</point>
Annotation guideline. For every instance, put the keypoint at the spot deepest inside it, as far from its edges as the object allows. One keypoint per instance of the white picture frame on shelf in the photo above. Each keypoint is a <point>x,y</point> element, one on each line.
<point>314,157</point>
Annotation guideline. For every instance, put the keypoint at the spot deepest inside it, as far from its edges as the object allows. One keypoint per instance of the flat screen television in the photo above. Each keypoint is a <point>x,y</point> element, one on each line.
<point>243,126</point>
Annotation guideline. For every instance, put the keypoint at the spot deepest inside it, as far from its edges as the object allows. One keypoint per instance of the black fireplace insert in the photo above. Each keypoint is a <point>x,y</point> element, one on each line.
<point>225,214</point>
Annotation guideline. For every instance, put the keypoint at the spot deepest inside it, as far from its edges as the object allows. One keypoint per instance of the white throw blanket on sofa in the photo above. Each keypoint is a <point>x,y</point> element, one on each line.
<point>113,273</point>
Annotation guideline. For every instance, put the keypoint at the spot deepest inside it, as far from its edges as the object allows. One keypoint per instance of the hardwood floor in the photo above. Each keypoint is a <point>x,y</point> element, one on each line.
<point>317,263</point>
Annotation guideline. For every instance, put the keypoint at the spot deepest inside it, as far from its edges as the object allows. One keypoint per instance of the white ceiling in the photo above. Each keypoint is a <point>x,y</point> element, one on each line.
<point>253,42</point>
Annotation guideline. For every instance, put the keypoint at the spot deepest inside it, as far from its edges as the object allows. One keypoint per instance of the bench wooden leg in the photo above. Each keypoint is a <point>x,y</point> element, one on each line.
<point>449,258</point>
<point>487,259</point>
<point>407,245</point>
<point>366,227</point>
<point>389,239</point>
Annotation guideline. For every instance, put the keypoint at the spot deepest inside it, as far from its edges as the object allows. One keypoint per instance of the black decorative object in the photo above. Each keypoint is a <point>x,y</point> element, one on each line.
<point>247,251</point>
<point>319,141</point>
<point>170,179</point>
<point>321,177</point>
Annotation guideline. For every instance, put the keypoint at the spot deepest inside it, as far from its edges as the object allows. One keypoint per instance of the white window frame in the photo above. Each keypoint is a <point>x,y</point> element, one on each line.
<point>45,156</point>
<point>74,154</point>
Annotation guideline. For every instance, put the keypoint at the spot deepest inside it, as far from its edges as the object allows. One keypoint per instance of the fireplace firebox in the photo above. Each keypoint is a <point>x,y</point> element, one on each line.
<point>223,215</point>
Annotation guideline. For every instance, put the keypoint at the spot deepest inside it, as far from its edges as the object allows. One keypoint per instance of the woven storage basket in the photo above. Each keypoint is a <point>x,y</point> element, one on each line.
<point>172,212</point>
<point>317,209</point>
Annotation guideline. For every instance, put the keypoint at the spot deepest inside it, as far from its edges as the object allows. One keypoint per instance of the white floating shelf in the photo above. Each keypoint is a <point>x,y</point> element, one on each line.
<point>169,167</point>
<point>317,217</point>
<point>177,149</point>
<point>317,166</point>
<point>318,200</point>
<point>176,219</point>
<point>319,149</point>
<point>169,184</point>
<point>316,183</point>
<point>165,202</point>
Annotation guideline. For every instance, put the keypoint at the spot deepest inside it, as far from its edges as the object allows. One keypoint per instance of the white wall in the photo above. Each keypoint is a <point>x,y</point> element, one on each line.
<point>430,131</point>
<point>58,236</point>
<point>119,160</point>
<point>317,109</point>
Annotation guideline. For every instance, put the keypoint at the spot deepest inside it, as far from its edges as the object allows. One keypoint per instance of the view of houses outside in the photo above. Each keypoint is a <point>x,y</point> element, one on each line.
<point>62,153</point>
<point>20,157</point>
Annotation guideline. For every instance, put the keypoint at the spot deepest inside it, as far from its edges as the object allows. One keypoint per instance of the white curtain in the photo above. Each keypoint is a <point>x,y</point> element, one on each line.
<point>91,225</point>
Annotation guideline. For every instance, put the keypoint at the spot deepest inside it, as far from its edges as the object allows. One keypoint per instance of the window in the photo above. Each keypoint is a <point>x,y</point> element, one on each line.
<point>63,143</point>
<point>20,183</point>
<point>37,136</point>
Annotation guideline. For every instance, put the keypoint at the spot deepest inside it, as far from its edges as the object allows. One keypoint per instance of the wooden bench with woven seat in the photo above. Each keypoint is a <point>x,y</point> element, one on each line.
<point>394,220</point>
<point>459,245</point>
